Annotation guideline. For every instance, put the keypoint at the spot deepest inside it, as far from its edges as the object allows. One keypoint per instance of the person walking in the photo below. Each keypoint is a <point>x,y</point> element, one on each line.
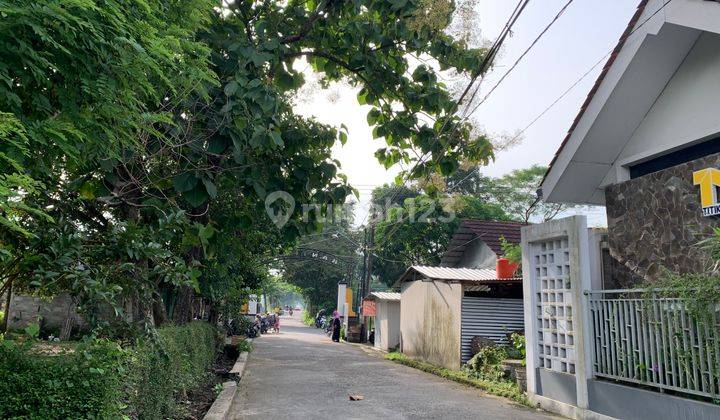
<point>277,323</point>
<point>336,327</point>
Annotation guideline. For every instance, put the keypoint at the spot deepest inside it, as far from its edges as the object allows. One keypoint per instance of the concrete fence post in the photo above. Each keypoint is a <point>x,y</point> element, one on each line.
<point>556,272</point>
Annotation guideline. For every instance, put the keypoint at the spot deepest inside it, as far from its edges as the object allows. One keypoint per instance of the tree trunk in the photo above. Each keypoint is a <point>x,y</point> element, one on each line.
<point>182,314</point>
<point>214,314</point>
<point>68,325</point>
<point>158,310</point>
<point>8,297</point>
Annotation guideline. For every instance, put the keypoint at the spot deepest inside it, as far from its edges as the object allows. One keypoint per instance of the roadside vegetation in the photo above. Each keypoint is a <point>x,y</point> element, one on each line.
<point>470,377</point>
<point>98,378</point>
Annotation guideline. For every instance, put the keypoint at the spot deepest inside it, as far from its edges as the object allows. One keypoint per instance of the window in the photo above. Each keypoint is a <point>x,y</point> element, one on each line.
<point>675,158</point>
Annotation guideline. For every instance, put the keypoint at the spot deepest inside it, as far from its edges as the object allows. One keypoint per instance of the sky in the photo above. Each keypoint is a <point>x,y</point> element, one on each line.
<point>585,33</point>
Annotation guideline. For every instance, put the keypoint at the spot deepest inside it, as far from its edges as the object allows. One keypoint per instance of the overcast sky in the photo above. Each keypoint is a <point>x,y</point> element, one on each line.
<point>587,31</point>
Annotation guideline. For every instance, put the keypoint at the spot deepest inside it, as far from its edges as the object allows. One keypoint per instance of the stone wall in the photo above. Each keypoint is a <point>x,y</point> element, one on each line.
<point>51,314</point>
<point>656,221</point>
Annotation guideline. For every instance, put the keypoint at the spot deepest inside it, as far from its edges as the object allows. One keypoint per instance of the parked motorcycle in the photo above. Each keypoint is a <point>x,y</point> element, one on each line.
<point>253,330</point>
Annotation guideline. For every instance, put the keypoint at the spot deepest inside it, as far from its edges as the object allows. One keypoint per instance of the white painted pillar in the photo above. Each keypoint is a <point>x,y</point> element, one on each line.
<point>581,313</point>
<point>341,305</point>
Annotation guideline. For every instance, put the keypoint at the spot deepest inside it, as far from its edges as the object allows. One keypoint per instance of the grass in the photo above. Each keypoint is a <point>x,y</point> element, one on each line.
<point>504,389</point>
<point>244,346</point>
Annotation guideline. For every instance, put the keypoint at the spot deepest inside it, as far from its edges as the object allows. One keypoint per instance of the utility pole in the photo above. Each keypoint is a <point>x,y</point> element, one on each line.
<point>369,246</point>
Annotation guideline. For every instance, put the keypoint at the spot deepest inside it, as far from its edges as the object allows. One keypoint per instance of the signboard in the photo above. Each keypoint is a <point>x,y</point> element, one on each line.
<point>709,181</point>
<point>368,308</point>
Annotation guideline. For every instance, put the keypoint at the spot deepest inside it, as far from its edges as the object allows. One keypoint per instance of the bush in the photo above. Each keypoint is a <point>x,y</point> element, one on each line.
<point>163,368</point>
<point>486,364</point>
<point>244,346</point>
<point>85,383</point>
<point>102,380</point>
<point>308,318</point>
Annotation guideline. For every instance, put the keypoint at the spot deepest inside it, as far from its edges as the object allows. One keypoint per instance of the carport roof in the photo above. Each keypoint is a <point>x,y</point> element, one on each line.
<point>383,296</point>
<point>469,275</point>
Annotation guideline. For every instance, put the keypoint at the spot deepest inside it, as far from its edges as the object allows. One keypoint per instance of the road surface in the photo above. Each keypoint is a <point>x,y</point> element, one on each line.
<point>301,374</point>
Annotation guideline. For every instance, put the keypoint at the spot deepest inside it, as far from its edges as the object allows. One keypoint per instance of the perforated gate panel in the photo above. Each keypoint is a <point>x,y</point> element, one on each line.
<point>489,317</point>
<point>556,340</point>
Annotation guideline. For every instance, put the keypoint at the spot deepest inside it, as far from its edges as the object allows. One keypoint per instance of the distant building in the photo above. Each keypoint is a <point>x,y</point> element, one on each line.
<point>443,308</point>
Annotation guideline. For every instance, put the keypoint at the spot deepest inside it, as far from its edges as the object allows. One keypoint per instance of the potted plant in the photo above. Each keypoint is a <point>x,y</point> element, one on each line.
<point>508,264</point>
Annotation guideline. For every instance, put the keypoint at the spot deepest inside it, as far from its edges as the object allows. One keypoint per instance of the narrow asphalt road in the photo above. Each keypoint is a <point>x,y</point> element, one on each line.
<point>301,374</point>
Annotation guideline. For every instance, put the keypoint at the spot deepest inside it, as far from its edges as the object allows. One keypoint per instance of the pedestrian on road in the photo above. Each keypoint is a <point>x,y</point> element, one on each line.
<point>277,323</point>
<point>336,327</point>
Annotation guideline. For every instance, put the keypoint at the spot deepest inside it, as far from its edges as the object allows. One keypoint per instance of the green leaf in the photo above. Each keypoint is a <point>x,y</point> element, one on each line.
<point>217,144</point>
<point>184,182</point>
<point>231,88</point>
<point>210,188</point>
<point>196,196</point>
<point>276,138</point>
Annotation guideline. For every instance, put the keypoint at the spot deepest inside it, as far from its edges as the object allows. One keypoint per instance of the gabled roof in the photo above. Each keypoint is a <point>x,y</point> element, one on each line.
<point>606,137</point>
<point>487,231</point>
<point>613,56</point>
<point>465,275</point>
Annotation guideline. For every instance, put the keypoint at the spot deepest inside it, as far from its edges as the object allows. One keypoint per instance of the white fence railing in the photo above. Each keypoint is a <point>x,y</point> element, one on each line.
<point>642,338</point>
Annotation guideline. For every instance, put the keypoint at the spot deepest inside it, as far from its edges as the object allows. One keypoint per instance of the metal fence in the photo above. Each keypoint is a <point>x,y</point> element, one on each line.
<point>643,338</point>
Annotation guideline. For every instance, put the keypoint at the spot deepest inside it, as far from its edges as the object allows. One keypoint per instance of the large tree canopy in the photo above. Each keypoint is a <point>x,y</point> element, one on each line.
<point>140,140</point>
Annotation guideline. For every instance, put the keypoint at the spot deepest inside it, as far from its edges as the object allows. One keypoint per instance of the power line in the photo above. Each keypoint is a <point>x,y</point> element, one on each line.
<point>590,70</point>
<point>520,58</point>
<point>567,91</point>
<point>487,60</point>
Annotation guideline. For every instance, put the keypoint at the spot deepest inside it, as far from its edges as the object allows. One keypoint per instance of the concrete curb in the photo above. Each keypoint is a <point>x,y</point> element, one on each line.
<point>221,406</point>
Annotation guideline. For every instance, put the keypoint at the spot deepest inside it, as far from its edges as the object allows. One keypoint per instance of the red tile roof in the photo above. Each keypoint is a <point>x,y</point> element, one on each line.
<point>487,231</point>
<point>613,56</point>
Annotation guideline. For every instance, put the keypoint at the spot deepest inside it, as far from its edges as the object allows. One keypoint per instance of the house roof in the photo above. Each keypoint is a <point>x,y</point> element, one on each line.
<point>469,275</point>
<point>487,231</point>
<point>606,137</point>
<point>613,56</point>
<point>383,296</point>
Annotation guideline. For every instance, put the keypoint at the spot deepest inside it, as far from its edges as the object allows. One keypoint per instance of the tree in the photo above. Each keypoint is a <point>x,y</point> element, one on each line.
<point>516,193</point>
<point>139,144</point>
<point>321,261</point>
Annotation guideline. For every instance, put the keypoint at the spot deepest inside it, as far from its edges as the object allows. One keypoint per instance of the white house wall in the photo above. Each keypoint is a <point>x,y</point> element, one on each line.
<point>387,327</point>
<point>478,255</point>
<point>430,321</point>
<point>685,112</point>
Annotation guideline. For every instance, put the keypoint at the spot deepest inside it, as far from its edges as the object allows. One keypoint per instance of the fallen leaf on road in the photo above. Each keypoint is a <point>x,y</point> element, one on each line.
<point>356,397</point>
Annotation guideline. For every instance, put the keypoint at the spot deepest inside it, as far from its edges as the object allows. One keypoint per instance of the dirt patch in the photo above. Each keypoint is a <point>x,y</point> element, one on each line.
<point>200,400</point>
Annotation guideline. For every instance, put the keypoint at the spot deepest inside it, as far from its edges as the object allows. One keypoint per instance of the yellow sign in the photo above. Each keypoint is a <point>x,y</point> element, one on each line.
<point>709,181</point>
<point>348,300</point>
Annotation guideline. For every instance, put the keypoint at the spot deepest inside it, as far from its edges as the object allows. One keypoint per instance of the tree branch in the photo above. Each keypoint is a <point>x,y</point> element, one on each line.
<point>305,30</point>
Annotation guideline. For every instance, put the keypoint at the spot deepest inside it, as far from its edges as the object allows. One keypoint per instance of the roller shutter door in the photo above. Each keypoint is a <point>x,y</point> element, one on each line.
<point>489,317</point>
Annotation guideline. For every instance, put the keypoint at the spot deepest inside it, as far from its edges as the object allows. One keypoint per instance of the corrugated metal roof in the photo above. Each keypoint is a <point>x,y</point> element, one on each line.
<point>383,296</point>
<point>454,274</point>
